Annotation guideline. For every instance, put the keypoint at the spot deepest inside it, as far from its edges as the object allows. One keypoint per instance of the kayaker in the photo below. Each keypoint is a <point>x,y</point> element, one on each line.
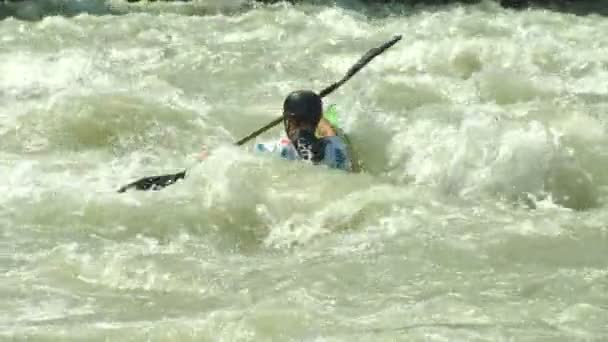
<point>310,136</point>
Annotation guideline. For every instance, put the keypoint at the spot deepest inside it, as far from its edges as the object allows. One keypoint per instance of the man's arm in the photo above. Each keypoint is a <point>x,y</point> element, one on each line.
<point>336,154</point>
<point>324,129</point>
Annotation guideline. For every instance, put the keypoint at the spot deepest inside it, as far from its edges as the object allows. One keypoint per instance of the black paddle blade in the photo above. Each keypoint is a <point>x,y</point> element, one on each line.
<point>154,182</point>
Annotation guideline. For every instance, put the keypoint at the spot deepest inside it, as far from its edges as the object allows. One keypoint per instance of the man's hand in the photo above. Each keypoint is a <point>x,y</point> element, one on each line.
<point>203,154</point>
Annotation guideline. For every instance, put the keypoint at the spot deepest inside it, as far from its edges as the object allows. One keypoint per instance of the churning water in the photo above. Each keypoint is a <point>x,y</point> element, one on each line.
<point>481,216</point>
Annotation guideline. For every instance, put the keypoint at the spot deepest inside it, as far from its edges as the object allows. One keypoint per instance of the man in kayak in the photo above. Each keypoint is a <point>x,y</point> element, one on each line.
<point>310,136</point>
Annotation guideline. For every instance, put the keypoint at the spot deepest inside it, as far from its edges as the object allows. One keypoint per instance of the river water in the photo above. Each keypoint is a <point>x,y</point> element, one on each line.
<point>481,215</point>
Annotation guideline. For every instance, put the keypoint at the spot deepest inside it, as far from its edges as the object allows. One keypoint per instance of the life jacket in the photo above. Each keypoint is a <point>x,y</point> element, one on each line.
<point>335,153</point>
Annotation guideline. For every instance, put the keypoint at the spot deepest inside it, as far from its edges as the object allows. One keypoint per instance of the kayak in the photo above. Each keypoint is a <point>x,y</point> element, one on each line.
<point>332,115</point>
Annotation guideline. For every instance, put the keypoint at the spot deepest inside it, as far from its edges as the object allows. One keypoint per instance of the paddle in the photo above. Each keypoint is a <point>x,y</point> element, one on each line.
<point>159,182</point>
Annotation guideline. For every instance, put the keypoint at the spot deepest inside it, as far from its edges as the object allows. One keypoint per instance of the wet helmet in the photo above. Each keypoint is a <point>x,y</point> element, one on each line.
<point>303,106</point>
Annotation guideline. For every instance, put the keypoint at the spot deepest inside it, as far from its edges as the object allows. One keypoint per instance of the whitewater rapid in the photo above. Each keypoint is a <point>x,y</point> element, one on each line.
<point>482,214</point>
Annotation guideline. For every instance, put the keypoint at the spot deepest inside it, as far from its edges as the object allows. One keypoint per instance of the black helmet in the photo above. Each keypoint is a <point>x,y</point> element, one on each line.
<point>303,106</point>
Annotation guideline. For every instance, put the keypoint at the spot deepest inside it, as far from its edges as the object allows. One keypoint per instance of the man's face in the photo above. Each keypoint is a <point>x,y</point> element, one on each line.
<point>291,126</point>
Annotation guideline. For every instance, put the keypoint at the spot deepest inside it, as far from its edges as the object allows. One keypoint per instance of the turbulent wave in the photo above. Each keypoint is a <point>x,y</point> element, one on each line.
<point>38,9</point>
<point>481,214</point>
